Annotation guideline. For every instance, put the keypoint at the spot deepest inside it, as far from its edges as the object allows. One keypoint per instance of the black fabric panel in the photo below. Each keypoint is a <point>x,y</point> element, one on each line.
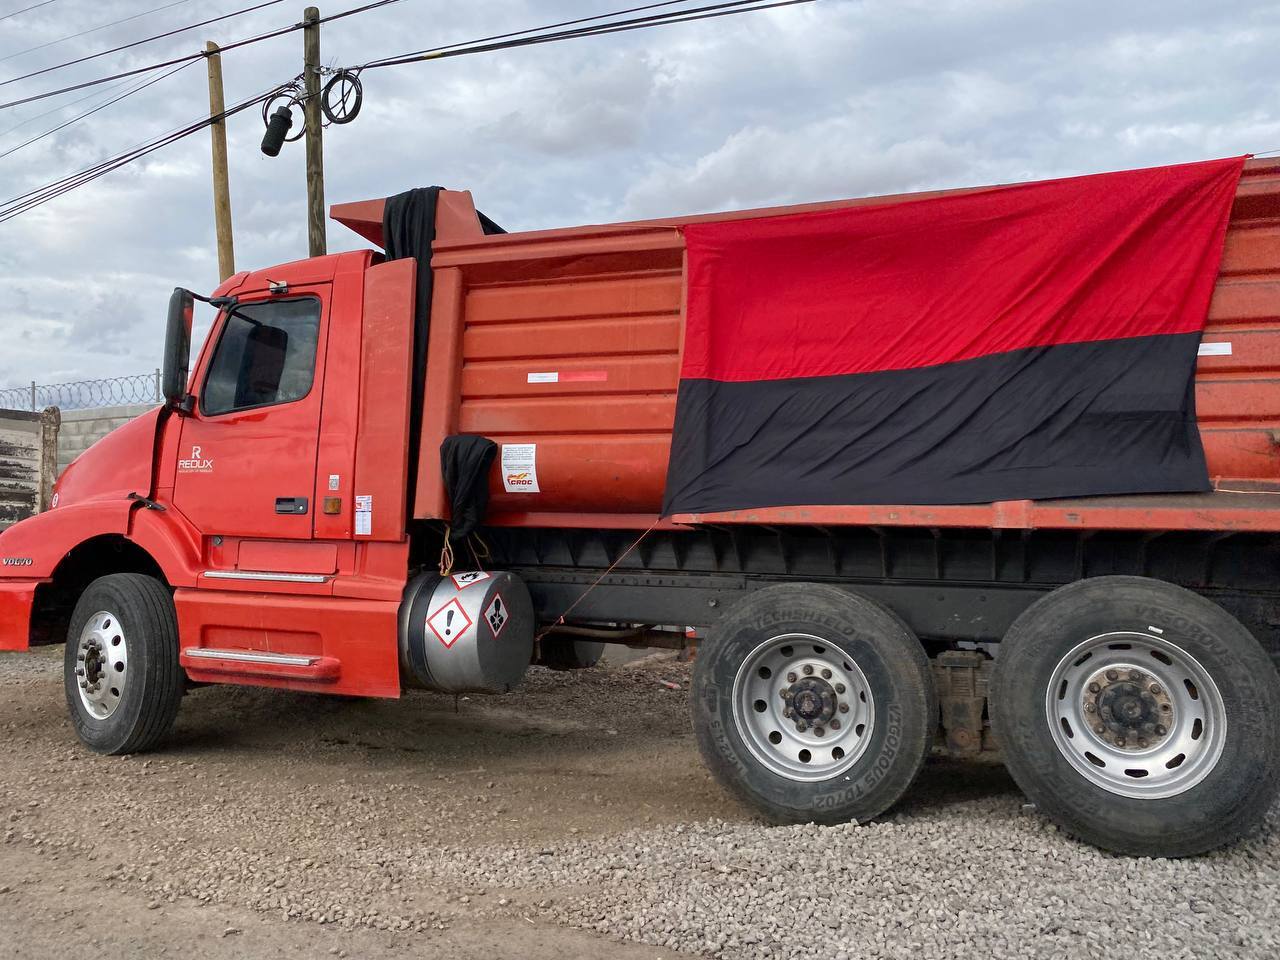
<point>488,227</point>
<point>465,461</point>
<point>1109,417</point>
<point>408,230</point>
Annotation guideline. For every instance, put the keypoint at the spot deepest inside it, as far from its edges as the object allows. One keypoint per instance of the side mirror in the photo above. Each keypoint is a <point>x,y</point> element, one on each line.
<point>177,347</point>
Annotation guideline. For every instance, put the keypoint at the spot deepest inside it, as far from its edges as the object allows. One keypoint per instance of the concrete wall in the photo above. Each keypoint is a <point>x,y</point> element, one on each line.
<point>28,462</point>
<point>83,428</point>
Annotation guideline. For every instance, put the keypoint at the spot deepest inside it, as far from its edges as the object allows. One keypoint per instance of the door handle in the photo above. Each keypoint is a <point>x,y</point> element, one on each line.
<point>291,505</point>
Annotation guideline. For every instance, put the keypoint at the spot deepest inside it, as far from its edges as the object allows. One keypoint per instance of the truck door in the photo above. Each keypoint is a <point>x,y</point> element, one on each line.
<point>247,458</point>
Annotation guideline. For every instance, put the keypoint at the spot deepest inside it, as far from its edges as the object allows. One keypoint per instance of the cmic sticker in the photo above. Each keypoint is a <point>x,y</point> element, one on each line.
<point>520,468</point>
<point>364,516</point>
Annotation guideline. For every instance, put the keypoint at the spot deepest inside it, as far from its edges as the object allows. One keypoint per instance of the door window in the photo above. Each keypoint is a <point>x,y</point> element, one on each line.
<point>266,355</point>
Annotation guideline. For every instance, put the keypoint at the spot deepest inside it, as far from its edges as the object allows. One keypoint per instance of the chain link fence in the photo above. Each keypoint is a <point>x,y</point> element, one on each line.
<point>84,394</point>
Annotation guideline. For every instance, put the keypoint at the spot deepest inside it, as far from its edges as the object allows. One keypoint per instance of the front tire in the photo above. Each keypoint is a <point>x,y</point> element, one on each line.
<point>813,705</point>
<point>121,675</point>
<point>1139,716</point>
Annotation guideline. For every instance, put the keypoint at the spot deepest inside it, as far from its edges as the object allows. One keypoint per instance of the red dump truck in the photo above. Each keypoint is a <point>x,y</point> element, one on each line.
<point>434,467</point>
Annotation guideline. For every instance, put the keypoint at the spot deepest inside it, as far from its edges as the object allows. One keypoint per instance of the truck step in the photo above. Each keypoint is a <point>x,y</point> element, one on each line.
<point>261,663</point>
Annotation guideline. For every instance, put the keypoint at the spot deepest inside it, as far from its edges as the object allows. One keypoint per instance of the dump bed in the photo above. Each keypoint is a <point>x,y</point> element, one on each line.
<point>569,340</point>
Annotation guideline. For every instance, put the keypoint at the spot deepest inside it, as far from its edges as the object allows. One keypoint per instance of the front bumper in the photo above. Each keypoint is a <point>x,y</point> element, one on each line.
<point>16,600</point>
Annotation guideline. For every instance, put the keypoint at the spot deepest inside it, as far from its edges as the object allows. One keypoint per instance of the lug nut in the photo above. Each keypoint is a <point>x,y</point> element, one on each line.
<point>79,671</point>
<point>1120,741</point>
<point>1113,675</point>
<point>1142,741</point>
<point>1135,674</point>
<point>1160,730</point>
<point>808,670</point>
<point>844,708</point>
<point>791,678</point>
<point>1166,708</point>
<point>1090,708</point>
<point>83,685</point>
<point>835,723</point>
<point>801,726</point>
<point>818,732</point>
<point>839,688</point>
<point>826,674</point>
<point>788,713</point>
<point>1155,689</point>
<point>1095,688</point>
<point>1099,729</point>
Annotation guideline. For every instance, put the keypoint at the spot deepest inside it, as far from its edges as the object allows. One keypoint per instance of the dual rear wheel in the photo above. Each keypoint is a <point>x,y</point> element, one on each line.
<point>1140,717</point>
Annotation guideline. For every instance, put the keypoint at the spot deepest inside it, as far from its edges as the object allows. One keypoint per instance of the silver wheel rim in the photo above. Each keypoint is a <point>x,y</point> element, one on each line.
<point>102,659</point>
<point>803,707</point>
<point>1136,715</point>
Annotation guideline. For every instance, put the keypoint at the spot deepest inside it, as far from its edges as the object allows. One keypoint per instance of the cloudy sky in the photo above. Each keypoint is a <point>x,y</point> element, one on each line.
<point>837,98</point>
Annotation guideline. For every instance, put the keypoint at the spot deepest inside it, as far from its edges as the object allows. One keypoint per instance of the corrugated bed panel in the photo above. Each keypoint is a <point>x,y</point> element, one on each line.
<point>1238,374</point>
<point>584,367</point>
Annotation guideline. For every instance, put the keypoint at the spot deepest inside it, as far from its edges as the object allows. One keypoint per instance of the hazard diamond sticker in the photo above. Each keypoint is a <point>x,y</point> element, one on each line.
<point>461,580</point>
<point>449,623</point>
<point>497,615</point>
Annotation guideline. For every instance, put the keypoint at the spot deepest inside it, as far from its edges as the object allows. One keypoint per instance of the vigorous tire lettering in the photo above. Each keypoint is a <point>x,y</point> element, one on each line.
<point>850,679</point>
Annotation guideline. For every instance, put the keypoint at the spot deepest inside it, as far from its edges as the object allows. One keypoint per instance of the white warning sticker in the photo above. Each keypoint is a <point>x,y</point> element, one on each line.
<point>496,614</point>
<point>364,516</point>
<point>335,482</point>
<point>1219,349</point>
<point>461,580</point>
<point>449,623</point>
<point>544,378</point>
<point>520,468</point>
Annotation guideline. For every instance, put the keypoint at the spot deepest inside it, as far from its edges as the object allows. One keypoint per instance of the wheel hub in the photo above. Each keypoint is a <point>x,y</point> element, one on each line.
<point>1136,714</point>
<point>1129,707</point>
<point>812,699</point>
<point>803,706</point>
<point>101,661</point>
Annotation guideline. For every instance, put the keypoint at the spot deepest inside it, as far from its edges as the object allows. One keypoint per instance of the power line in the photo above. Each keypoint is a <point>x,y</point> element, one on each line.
<point>22,203</point>
<point>14,13</point>
<point>550,26</point>
<point>90,112</point>
<point>58,109</point>
<point>708,12</point>
<point>137,43</point>
<point>82,33</point>
<point>34,198</point>
<point>199,55</point>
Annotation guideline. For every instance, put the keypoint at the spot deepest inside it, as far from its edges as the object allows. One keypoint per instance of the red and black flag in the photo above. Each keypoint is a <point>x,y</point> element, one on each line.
<point>1020,342</point>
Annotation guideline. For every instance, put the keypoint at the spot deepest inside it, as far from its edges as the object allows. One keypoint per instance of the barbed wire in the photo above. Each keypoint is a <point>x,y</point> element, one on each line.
<point>84,394</point>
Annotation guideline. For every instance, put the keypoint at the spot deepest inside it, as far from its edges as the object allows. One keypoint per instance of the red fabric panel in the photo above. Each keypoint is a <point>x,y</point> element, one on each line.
<point>926,282</point>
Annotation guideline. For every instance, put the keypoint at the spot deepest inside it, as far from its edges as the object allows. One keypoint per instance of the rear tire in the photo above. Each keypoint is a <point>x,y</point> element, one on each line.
<point>121,675</point>
<point>1140,717</point>
<point>857,720</point>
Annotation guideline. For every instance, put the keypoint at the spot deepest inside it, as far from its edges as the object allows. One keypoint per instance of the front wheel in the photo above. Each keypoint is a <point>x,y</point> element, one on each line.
<point>121,674</point>
<point>813,705</point>
<point>1141,717</point>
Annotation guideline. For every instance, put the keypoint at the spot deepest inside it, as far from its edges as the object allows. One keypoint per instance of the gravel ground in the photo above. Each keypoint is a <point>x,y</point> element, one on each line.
<point>572,819</point>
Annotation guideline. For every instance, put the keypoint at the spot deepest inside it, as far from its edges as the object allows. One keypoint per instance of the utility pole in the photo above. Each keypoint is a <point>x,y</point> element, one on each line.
<point>221,184</point>
<point>315,147</point>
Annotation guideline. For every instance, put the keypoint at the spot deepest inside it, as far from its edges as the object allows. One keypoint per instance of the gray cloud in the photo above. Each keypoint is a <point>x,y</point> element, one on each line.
<point>838,98</point>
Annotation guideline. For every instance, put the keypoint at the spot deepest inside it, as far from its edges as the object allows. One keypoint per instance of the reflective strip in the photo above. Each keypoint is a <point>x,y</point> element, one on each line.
<point>265,575</point>
<point>250,656</point>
